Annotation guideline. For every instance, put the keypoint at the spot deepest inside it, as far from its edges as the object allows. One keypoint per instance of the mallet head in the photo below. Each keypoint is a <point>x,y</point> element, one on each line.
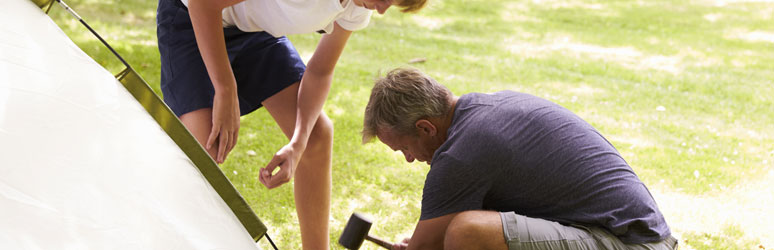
<point>355,231</point>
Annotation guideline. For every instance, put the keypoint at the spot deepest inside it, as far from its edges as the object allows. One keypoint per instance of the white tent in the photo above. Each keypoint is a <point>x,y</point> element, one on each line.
<point>91,162</point>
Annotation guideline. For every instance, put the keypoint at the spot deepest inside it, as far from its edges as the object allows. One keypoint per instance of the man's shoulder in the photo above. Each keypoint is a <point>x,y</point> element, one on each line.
<point>498,95</point>
<point>467,142</point>
<point>502,100</point>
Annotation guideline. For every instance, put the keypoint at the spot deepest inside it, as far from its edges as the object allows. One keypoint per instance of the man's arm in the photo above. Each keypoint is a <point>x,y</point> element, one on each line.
<point>312,93</point>
<point>429,234</point>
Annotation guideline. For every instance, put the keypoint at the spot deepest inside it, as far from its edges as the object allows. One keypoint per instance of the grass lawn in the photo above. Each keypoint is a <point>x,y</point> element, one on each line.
<point>681,87</point>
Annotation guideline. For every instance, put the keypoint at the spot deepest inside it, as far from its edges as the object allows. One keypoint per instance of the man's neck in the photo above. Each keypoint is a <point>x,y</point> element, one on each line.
<point>444,122</point>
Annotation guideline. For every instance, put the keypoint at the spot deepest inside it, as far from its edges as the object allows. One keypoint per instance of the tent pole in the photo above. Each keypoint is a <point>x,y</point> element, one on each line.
<point>270,241</point>
<point>72,12</point>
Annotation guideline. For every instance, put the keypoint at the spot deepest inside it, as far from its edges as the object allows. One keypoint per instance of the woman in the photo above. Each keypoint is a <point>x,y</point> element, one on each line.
<point>225,58</point>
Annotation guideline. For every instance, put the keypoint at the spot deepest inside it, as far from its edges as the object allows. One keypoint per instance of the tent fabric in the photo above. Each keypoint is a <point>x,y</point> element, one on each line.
<point>83,165</point>
<point>175,129</point>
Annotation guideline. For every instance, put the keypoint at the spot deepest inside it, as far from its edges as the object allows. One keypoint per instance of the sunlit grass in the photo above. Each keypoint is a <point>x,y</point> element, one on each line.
<point>681,88</point>
<point>731,238</point>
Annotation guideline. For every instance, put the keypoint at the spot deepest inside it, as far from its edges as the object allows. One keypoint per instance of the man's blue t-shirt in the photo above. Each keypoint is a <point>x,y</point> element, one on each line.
<point>511,151</point>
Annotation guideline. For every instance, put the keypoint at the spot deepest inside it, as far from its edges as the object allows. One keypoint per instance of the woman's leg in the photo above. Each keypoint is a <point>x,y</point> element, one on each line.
<point>199,123</point>
<point>312,185</point>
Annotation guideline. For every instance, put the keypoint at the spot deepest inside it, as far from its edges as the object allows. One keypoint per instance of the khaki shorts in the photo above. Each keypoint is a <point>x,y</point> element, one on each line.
<point>523,232</point>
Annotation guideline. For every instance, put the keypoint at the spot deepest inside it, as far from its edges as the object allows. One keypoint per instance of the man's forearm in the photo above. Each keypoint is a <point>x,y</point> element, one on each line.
<point>429,234</point>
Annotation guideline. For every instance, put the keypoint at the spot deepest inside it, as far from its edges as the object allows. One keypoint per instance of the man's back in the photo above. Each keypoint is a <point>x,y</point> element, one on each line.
<point>510,151</point>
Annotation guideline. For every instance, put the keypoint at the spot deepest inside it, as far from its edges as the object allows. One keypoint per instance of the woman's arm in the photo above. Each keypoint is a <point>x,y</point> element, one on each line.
<point>206,19</point>
<point>312,93</point>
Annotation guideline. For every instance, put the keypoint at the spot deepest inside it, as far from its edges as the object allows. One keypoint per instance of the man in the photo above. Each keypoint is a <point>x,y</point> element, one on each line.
<point>511,171</point>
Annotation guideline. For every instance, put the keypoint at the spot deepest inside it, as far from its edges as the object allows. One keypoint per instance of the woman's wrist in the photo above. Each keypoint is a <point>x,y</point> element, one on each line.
<point>225,89</point>
<point>297,146</point>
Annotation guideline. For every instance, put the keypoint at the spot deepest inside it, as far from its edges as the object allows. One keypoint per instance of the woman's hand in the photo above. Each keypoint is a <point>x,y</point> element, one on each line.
<point>403,245</point>
<point>225,123</point>
<point>287,160</point>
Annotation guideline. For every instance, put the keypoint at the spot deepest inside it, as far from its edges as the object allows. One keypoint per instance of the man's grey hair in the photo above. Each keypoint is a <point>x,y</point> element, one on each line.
<point>402,97</point>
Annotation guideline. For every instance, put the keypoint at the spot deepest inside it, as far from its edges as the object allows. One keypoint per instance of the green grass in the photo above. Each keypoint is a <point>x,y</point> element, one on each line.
<point>615,63</point>
<point>732,237</point>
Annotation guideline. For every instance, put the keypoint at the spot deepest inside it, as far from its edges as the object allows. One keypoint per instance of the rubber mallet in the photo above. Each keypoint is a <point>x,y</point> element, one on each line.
<point>356,231</point>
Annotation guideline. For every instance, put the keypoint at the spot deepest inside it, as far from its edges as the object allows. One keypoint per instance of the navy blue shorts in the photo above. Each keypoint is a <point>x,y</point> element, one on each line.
<point>263,65</point>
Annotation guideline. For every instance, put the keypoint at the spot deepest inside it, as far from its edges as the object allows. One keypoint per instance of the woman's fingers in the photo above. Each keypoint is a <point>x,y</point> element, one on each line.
<point>232,141</point>
<point>213,135</point>
<point>224,139</point>
<point>222,144</point>
<point>265,174</point>
<point>282,161</point>
<point>282,177</point>
<point>225,125</point>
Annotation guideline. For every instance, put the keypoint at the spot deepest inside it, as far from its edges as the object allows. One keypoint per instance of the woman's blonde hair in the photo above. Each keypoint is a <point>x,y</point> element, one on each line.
<point>402,97</point>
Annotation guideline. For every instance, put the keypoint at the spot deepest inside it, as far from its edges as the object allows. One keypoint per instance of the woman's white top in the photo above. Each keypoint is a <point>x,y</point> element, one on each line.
<point>286,17</point>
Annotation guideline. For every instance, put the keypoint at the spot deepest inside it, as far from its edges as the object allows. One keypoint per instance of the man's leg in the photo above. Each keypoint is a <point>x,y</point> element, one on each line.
<point>495,230</point>
<point>475,230</point>
<point>669,243</point>
<point>498,231</point>
<point>312,185</point>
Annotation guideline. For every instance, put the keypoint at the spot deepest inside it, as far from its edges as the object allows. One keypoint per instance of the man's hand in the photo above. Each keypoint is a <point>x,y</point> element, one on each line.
<point>287,160</point>
<point>225,123</point>
<point>403,245</point>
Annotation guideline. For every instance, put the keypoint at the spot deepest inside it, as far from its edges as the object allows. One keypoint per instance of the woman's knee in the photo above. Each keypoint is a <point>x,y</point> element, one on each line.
<point>321,138</point>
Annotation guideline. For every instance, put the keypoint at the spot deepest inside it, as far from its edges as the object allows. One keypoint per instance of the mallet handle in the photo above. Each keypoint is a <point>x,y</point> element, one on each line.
<point>380,242</point>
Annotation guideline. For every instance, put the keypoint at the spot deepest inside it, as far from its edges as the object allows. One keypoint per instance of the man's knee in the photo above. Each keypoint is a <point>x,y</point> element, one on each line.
<point>458,228</point>
<point>474,230</point>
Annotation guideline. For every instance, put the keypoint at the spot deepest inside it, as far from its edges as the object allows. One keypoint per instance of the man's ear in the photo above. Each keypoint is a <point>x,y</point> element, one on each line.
<point>426,127</point>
